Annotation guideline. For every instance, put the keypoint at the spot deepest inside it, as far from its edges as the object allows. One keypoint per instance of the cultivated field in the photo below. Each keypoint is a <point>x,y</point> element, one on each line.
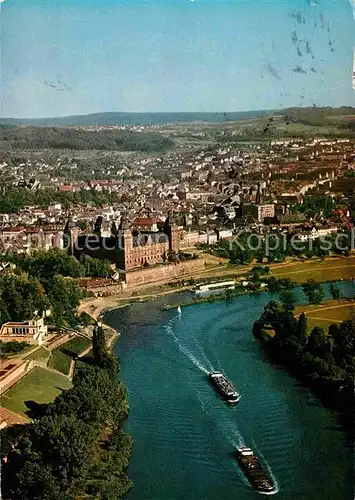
<point>333,269</point>
<point>331,311</point>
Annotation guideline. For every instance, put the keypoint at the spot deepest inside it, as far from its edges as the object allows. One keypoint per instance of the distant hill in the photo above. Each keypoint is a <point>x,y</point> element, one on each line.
<point>343,117</point>
<point>37,138</point>
<point>117,118</point>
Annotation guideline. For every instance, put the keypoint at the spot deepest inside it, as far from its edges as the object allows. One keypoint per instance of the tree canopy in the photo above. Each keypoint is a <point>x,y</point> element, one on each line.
<point>76,448</point>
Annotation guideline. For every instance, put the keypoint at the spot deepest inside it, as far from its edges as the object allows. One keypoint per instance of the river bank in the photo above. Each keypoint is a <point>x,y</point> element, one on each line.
<point>165,358</point>
<point>328,269</point>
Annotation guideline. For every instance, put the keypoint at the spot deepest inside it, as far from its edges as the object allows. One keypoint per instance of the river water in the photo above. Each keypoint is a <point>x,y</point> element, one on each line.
<point>184,433</point>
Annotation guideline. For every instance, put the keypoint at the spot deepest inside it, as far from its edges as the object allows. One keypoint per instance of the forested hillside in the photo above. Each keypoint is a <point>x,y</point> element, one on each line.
<point>79,139</point>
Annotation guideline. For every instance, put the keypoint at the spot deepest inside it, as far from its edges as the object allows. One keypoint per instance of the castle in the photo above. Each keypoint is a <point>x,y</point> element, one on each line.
<point>130,246</point>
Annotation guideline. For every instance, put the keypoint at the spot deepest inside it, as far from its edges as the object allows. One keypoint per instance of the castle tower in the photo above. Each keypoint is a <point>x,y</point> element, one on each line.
<point>172,231</point>
<point>98,225</point>
<point>70,236</point>
<point>125,242</point>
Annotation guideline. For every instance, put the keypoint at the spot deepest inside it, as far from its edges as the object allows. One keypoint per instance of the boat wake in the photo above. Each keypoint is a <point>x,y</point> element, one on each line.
<point>186,351</point>
<point>276,488</point>
<point>232,433</point>
<point>206,361</point>
<point>201,401</point>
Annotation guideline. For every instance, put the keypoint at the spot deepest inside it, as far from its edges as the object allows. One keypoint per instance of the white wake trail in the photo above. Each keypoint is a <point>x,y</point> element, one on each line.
<point>186,351</point>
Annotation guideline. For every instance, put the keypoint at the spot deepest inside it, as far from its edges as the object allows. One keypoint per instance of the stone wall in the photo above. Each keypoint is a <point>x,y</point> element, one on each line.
<point>19,338</point>
<point>164,272</point>
<point>192,238</point>
<point>17,372</point>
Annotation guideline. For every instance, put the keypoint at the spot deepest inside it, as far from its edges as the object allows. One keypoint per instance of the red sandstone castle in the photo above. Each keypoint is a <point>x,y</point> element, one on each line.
<point>144,242</point>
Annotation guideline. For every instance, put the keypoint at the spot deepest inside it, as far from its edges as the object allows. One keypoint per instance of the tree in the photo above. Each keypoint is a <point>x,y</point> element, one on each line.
<point>57,460</point>
<point>272,311</point>
<point>301,330</point>
<point>64,295</point>
<point>316,341</point>
<point>313,291</point>
<point>99,346</point>
<point>288,300</point>
<point>335,292</point>
<point>77,448</point>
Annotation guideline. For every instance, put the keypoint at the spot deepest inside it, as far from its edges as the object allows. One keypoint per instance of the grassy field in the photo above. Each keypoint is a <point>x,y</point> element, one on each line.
<point>76,345</point>
<point>331,311</point>
<point>40,385</point>
<point>328,269</point>
<point>41,354</point>
<point>60,361</point>
<point>62,355</point>
<point>335,268</point>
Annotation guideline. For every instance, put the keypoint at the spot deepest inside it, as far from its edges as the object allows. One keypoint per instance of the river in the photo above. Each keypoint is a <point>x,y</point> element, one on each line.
<point>184,433</point>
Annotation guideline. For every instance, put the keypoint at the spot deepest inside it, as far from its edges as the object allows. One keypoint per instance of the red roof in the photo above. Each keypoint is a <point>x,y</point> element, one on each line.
<point>66,188</point>
<point>17,229</point>
<point>146,221</point>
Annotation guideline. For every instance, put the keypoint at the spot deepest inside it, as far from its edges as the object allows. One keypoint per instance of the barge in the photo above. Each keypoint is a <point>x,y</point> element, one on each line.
<point>258,477</point>
<point>224,387</point>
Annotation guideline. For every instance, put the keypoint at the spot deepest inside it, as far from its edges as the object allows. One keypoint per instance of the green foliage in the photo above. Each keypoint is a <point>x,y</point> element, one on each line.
<point>278,284</point>
<point>313,291</point>
<point>317,342</point>
<point>344,346</point>
<point>60,361</point>
<point>335,292</point>
<point>95,268</point>
<point>79,139</point>
<point>76,449</point>
<point>85,319</point>
<point>275,247</point>
<point>302,327</point>
<point>99,346</point>
<point>20,297</point>
<point>288,300</point>
<point>45,264</point>
<point>272,311</point>
<point>64,295</point>
<point>16,198</point>
<point>313,205</point>
<point>7,348</point>
<point>318,356</point>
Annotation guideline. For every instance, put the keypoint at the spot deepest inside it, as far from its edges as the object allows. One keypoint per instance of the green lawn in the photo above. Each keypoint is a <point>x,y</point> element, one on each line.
<point>60,361</point>
<point>326,270</point>
<point>76,345</point>
<point>41,354</point>
<point>62,355</point>
<point>327,313</point>
<point>40,385</point>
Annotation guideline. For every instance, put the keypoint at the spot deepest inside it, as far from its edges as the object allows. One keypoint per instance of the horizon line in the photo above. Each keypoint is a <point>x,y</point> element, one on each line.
<point>171,112</point>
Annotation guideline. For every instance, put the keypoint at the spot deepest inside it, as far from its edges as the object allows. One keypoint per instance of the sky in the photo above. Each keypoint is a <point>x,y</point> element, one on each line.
<point>64,57</point>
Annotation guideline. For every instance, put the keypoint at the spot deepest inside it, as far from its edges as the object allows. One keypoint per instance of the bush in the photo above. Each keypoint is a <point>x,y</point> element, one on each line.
<point>12,347</point>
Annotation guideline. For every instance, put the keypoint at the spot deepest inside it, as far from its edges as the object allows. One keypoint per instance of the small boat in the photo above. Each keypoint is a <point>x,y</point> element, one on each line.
<point>258,477</point>
<point>224,387</point>
<point>178,310</point>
